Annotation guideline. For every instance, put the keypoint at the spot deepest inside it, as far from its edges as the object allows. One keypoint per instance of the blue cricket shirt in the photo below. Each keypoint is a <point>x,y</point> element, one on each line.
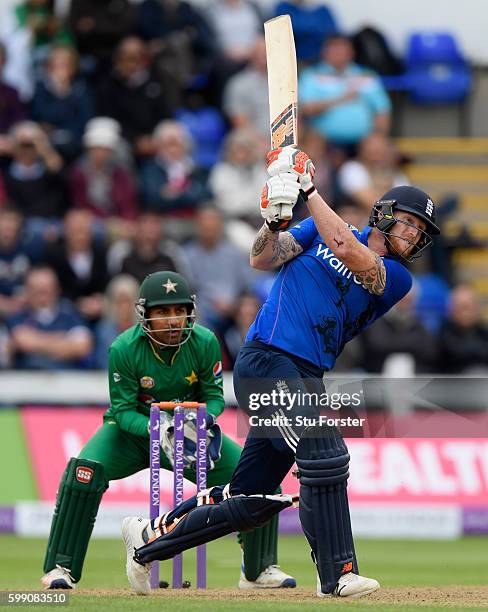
<point>316,304</point>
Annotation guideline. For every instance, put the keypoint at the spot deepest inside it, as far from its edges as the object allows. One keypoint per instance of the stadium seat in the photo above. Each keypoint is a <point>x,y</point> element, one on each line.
<point>207,128</point>
<point>432,300</point>
<point>437,72</point>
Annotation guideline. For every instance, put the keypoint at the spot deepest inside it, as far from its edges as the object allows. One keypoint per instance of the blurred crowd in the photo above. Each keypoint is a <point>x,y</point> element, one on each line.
<point>132,139</point>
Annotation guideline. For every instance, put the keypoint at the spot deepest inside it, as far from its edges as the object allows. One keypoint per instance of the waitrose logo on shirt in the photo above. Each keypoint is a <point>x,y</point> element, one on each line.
<point>340,267</point>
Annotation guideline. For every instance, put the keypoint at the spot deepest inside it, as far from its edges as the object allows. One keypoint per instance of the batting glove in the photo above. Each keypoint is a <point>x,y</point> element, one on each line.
<point>279,196</point>
<point>291,159</point>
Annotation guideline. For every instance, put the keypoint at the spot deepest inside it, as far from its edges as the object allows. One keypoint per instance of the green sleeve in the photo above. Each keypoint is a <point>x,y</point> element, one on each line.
<point>124,389</point>
<point>212,387</point>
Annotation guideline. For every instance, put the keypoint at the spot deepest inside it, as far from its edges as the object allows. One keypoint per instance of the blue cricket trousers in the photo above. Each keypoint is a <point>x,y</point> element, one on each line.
<point>267,457</point>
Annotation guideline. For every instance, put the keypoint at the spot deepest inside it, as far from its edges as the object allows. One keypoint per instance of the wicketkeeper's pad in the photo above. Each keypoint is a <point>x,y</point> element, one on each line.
<point>80,491</point>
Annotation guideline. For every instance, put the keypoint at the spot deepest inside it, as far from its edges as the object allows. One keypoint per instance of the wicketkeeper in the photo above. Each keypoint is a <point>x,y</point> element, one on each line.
<point>164,357</point>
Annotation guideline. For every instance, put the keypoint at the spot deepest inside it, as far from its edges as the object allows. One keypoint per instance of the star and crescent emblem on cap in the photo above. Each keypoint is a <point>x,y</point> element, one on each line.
<point>170,286</point>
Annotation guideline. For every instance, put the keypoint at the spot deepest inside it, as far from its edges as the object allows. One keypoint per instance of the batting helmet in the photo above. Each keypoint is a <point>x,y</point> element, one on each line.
<point>162,289</point>
<point>408,199</point>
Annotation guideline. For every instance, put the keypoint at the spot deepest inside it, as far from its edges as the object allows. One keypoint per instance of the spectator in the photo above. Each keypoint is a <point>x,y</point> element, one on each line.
<point>100,183</point>
<point>246,310</point>
<point>237,24</point>
<point>341,100</point>
<point>246,94</point>
<point>148,252</point>
<point>16,39</point>
<point>48,334</point>
<point>463,338</point>
<point>324,177</point>
<point>80,263</point>
<point>3,193</point>
<point>40,18</point>
<point>5,358</point>
<point>17,255</point>
<point>181,43</point>
<point>123,153</point>
<point>98,26</point>
<point>11,108</point>
<point>62,102</point>
<point>221,272</point>
<point>313,23</point>
<point>170,181</point>
<point>34,179</point>
<point>132,95</point>
<point>374,172</point>
<point>399,331</point>
<point>119,314</point>
<point>237,180</point>
<point>236,183</point>
<point>27,29</point>
<point>350,213</point>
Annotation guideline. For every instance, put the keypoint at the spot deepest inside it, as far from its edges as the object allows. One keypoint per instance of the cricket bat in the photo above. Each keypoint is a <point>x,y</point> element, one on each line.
<point>282,86</point>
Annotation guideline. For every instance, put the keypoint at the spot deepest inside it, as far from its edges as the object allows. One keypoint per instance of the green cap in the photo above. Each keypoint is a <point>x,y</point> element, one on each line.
<point>165,287</point>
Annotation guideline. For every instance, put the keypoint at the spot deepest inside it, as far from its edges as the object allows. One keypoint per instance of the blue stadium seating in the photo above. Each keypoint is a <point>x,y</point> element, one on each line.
<point>437,72</point>
<point>432,300</point>
<point>207,128</point>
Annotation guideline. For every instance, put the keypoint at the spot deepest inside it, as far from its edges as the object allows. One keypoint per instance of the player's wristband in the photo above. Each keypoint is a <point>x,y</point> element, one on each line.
<point>309,192</point>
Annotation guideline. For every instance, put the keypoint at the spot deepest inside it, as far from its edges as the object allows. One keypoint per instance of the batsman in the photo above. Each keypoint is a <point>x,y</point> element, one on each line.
<point>333,282</point>
<point>166,356</point>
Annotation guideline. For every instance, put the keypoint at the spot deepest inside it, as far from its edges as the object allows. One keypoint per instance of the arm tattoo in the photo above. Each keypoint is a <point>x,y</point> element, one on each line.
<point>373,279</point>
<point>283,246</point>
<point>260,241</point>
<point>284,249</point>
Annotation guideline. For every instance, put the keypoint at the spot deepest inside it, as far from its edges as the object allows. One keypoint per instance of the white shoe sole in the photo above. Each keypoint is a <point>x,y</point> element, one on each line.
<point>358,595</point>
<point>355,596</point>
<point>58,584</point>
<point>57,578</point>
<point>247,585</point>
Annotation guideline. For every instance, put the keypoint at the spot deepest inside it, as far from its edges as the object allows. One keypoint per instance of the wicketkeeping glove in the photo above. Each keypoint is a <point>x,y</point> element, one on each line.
<point>279,196</point>
<point>291,159</point>
<point>214,439</point>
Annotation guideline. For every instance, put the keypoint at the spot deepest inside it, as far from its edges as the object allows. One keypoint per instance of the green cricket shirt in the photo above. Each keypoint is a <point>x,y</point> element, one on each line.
<point>138,376</point>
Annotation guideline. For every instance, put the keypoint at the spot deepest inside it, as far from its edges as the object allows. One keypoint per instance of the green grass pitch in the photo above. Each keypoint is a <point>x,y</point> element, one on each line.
<point>398,565</point>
